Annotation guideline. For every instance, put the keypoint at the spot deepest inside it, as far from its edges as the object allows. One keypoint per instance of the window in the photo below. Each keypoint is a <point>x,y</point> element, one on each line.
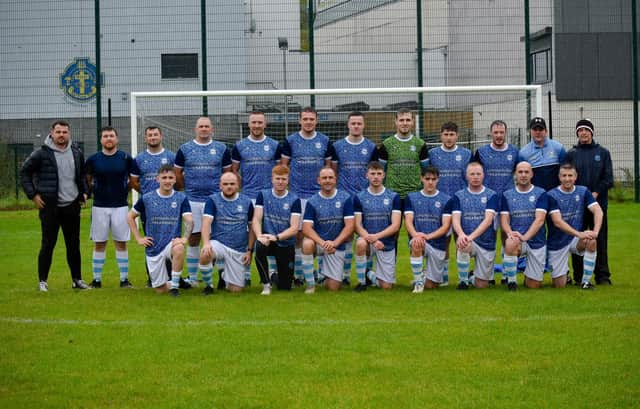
<point>541,66</point>
<point>178,66</point>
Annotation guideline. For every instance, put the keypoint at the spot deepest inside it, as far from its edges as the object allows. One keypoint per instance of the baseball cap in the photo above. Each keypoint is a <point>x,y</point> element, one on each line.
<point>537,122</point>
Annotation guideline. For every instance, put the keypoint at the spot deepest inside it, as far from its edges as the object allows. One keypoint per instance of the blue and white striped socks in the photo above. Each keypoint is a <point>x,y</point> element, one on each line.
<point>588,265</point>
<point>97,264</point>
<point>193,254</point>
<point>463,260</point>
<point>122,258</point>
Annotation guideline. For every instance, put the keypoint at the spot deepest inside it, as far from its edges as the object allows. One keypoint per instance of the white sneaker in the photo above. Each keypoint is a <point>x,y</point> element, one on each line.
<point>418,288</point>
<point>266,289</point>
<point>44,287</point>
<point>79,285</point>
<point>193,283</point>
<point>310,290</point>
<point>444,284</point>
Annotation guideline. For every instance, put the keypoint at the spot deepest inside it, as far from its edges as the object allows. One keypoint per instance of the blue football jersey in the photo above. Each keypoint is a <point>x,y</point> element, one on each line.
<point>162,217</point>
<point>352,160</point>
<point>202,166</point>
<point>452,166</point>
<point>521,208</point>
<point>328,214</point>
<point>146,166</point>
<point>428,212</point>
<point>376,210</point>
<point>231,218</point>
<point>277,211</point>
<point>498,165</point>
<point>571,206</point>
<point>256,160</point>
<point>110,176</point>
<point>473,207</point>
<point>307,156</point>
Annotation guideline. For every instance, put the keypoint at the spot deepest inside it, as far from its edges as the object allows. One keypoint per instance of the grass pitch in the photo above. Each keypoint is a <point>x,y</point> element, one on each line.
<point>481,348</point>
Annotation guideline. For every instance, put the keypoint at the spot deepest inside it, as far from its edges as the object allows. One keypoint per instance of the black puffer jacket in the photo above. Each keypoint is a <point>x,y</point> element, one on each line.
<point>39,173</point>
<point>595,169</point>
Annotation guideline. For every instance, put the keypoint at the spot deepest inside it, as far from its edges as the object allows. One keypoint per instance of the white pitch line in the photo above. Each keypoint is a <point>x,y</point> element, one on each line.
<point>344,322</point>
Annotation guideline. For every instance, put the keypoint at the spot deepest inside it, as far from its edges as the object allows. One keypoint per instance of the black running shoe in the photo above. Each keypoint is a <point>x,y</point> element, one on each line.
<point>360,288</point>
<point>95,284</point>
<point>222,284</point>
<point>462,286</point>
<point>512,286</point>
<point>367,280</point>
<point>298,282</point>
<point>587,286</point>
<point>346,282</point>
<point>174,292</point>
<point>247,282</point>
<point>126,283</point>
<point>185,285</point>
<point>504,281</point>
<point>208,290</point>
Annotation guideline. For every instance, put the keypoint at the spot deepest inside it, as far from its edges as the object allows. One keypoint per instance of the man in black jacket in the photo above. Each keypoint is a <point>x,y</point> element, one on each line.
<point>53,178</point>
<point>595,171</point>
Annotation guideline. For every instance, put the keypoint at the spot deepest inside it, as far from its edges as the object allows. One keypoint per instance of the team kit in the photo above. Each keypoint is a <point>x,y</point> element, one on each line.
<point>305,210</point>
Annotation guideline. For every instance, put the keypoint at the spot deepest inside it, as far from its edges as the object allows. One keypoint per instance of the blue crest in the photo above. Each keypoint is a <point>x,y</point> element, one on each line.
<point>596,158</point>
<point>79,80</point>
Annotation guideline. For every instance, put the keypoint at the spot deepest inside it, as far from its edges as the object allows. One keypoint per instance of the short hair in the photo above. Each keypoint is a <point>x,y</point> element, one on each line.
<point>430,170</point>
<point>354,113</point>
<point>474,163</point>
<point>280,170</point>
<point>449,126</point>
<point>403,111</point>
<point>256,113</point>
<point>166,168</point>
<point>309,109</point>
<point>328,167</point>
<point>236,174</point>
<point>568,166</point>
<point>149,128</point>
<point>108,129</point>
<point>375,165</point>
<point>61,123</point>
<point>498,122</point>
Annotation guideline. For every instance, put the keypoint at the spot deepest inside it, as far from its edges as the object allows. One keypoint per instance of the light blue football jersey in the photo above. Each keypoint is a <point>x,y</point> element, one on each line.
<point>307,156</point>
<point>256,160</point>
<point>277,211</point>
<point>376,210</point>
<point>473,208</point>
<point>522,207</point>
<point>498,166</point>
<point>202,166</point>
<point>452,166</point>
<point>352,160</point>
<point>428,212</point>
<point>146,167</point>
<point>571,206</point>
<point>328,214</point>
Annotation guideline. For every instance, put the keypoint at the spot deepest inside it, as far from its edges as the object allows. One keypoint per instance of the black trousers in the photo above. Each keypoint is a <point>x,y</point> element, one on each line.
<point>601,271</point>
<point>284,262</point>
<point>52,218</point>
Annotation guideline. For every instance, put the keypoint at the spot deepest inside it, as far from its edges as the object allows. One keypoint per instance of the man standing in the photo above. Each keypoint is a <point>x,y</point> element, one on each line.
<point>254,156</point>
<point>545,155</point>
<point>567,205</point>
<point>227,236</point>
<point>108,176</point>
<point>473,211</point>
<point>352,155</point>
<point>327,225</point>
<point>427,216</point>
<point>53,178</point>
<point>595,171</point>
<point>162,211</point>
<point>403,154</point>
<point>522,215</point>
<point>377,220</point>
<point>199,165</point>
<point>450,159</point>
<point>147,163</point>
<point>305,152</point>
<point>276,220</point>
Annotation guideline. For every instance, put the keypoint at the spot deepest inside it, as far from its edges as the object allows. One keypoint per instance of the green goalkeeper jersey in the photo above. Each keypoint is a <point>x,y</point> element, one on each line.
<point>404,159</point>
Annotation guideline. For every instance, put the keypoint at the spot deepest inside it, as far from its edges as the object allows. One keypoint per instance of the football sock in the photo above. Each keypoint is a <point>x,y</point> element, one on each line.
<point>445,273</point>
<point>373,278</point>
<point>588,263</point>
<point>97,264</point>
<point>361,267</point>
<point>220,265</point>
<point>307,268</point>
<point>271,261</point>
<point>175,279</point>
<point>122,258</point>
<point>416,269</point>
<point>193,253</point>
<point>510,266</point>
<point>206,272</point>
<point>463,260</point>
<point>297,265</point>
<point>348,259</point>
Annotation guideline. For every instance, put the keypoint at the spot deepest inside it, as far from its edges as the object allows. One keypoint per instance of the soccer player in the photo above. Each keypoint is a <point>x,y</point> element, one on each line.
<point>352,155</point>
<point>327,225</point>
<point>473,211</point>
<point>254,156</point>
<point>199,165</point>
<point>544,154</point>
<point>427,215</point>
<point>403,154</point>
<point>227,216</point>
<point>498,159</point>
<point>305,152</point>
<point>522,214</point>
<point>143,176</point>
<point>53,178</point>
<point>276,219</point>
<point>163,210</point>
<point>567,205</point>
<point>108,177</point>
<point>595,172</point>
<point>377,215</point>
<point>451,161</point>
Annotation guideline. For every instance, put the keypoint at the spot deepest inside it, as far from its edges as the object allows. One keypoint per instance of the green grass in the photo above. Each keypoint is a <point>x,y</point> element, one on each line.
<point>482,348</point>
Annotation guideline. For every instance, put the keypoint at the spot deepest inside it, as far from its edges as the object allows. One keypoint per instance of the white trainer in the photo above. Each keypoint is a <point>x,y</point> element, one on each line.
<point>310,290</point>
<point>44,287</point>
<point>266,289</point>
<point>418,287</point>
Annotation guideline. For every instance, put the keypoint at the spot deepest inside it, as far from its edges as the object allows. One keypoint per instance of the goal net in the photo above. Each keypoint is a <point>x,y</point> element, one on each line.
<point>472,108</point>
